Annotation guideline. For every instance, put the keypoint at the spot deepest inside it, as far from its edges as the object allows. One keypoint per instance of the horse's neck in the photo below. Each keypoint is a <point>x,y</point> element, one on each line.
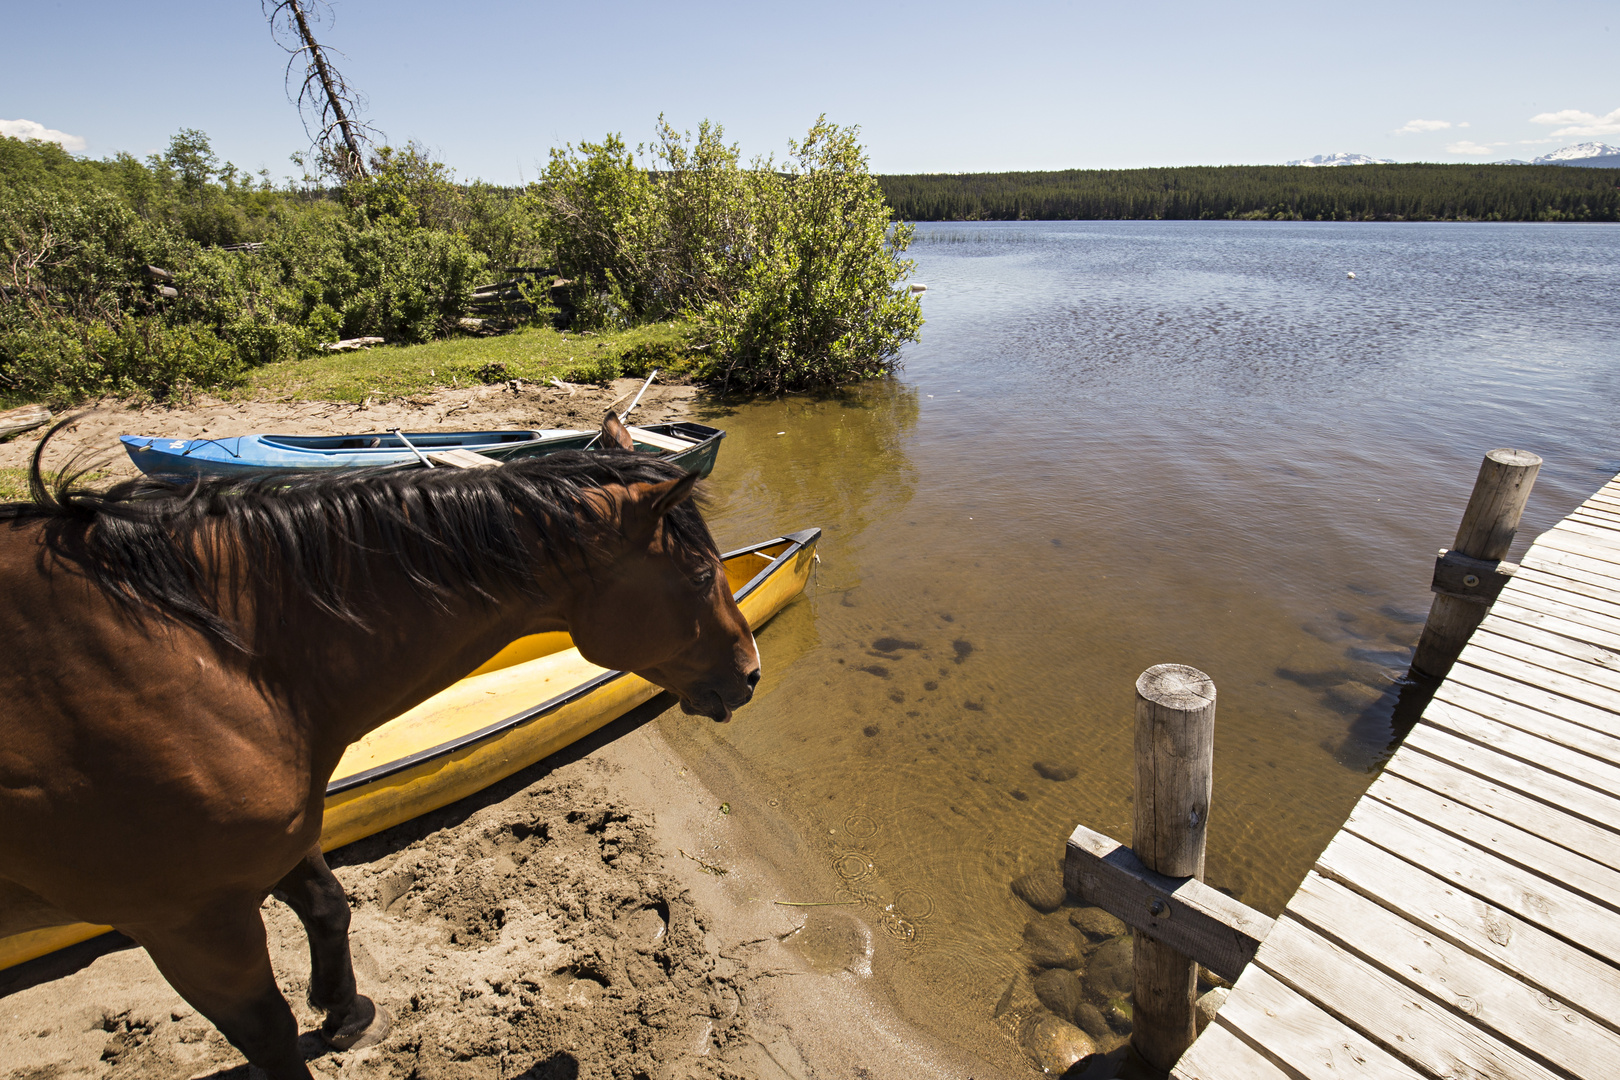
<point>345,680</point>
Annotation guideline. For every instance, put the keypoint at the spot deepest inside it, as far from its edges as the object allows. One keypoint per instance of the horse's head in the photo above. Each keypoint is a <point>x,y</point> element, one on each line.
<point>659,605</point>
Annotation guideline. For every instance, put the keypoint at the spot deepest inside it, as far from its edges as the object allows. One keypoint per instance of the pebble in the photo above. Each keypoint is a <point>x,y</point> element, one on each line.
<point>1096,923</point>
<point>1041,889</point>
<point>1052,943</point>
<point>1056,772</point>
<point>1054,1044</point>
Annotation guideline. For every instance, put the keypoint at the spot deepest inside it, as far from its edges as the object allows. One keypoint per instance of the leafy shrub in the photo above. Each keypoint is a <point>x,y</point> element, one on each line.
<point>61,359</point>
<point>819,302</point>
<point>791,276</point>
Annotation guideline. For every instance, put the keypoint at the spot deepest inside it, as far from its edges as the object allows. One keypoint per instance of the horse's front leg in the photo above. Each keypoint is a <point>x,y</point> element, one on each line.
<point>352,1019</point>
<point>217,960</point>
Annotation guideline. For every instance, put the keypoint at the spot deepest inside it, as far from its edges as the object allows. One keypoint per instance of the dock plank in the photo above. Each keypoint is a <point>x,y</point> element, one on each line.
<point>1531,749</point>
<point>1406,1023</point>
<point>1558,619</point>
<point>1569,571</point>
<point>1595,516</point>
<point>1592,664</point>
<point>1542,819</point>
<point>1569,733</point>
<point>1581,875</point>
<point>1474,990</point>
<point>1531,585</point>
<point>1580,544</point>
<point>1556,967</point>
<point>1568,579</point>
<point>1299,1035</point>
<point>1521,691</point>
<point>1573,526</point>
<point>1595,806</point>
<point>1220,1055</point>
<point>1532,898</point>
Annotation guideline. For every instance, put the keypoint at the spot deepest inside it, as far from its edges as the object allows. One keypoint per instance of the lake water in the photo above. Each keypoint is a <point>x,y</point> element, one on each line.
<point>1120,444</point>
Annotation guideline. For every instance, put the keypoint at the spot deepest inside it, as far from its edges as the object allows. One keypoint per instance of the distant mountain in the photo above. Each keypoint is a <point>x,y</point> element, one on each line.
<point>1580,154</point>
<point>1328,160</point>
<point>1583,154</point>
<point>1592,155</point>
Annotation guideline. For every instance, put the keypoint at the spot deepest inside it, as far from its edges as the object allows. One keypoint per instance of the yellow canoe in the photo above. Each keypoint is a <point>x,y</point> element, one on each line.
<point>533,698</point>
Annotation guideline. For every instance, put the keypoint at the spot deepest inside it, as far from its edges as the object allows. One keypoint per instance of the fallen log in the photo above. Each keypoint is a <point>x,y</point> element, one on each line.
<point>17,421</point>
<point>349,344</point>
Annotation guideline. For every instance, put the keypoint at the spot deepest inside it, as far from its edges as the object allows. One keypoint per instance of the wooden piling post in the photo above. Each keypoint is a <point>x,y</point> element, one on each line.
<point>1486,533</point>
<point>1175,752</point>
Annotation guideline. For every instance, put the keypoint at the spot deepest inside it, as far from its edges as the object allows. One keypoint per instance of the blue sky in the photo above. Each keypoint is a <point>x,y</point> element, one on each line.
<point>935,87</point>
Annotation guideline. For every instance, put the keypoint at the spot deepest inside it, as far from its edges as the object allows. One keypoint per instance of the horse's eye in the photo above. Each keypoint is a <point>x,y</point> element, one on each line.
<point>703,578</point>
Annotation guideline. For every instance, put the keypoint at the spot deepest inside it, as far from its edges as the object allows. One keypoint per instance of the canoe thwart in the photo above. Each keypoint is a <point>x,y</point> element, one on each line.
<point>659,439</point>
<point>1478,581</point>
<point>461,459</point>
<point>1197,920</point>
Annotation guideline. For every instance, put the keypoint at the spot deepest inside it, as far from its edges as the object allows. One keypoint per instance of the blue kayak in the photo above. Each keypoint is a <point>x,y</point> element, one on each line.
<point>254,455</point>
<point>693,446</point>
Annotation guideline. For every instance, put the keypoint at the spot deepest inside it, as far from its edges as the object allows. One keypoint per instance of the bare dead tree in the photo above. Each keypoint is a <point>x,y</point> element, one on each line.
<point>328,105</point>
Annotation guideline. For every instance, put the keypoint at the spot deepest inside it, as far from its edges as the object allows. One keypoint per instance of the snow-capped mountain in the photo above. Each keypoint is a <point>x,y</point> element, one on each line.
<point>1581,153</point>
<point>1340,159</point>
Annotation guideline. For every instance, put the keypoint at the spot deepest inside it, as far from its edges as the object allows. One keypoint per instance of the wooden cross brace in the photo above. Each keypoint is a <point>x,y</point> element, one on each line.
<point>1479,581</point>
<point>1200,922</point>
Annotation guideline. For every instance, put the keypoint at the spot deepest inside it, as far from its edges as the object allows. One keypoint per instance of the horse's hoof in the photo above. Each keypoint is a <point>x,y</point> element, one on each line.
<point>368,1027</point>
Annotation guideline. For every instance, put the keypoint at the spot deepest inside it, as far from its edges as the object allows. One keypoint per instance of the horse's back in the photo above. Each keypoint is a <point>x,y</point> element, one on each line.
<point>129,744</point>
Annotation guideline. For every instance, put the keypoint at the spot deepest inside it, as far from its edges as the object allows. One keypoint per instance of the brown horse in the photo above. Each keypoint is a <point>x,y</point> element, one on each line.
<point>182,670</point>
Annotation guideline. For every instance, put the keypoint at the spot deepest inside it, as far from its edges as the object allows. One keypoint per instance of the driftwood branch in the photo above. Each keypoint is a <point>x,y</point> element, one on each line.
<point>325,100</point>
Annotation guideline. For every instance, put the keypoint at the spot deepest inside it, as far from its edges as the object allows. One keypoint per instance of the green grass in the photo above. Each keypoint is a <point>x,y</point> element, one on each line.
<point>533,355</point>
<point>14,482</point>
<point>13,485</point>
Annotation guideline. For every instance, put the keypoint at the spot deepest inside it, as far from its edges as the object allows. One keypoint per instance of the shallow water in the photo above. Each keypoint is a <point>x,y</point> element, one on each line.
<point>1127,443</point>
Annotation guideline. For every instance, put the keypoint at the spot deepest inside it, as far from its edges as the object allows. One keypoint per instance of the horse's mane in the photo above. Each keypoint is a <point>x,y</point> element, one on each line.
<point>151,543</point>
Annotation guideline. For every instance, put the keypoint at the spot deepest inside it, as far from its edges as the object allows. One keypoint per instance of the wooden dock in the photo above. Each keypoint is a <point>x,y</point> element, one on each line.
<point>1466,920</point>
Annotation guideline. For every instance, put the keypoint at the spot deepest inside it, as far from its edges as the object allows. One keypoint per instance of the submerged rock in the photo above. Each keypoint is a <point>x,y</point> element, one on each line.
<point>1052,943</point>
<point>1059,990</point>
<point>1208,1005</point>
<point>1054,1044</point>
<point>1089,1019</point>
<point>1041,889</point>
<point>1110,969</point>
<point>1096,923</point>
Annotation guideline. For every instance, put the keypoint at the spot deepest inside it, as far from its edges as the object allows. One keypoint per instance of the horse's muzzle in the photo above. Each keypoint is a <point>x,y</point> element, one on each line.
<point>716,706</point>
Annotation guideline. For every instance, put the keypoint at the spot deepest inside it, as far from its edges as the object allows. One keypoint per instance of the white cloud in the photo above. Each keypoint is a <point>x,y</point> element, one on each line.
<point>1469,147</point>
<point>31,129</point>
<point>1415,127</point>
<point>1580,124</point>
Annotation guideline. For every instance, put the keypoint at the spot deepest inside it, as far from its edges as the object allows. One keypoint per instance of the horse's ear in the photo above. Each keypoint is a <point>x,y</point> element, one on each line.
<point>649,503</point>
<point>671,493</point>
<point>614,433</point>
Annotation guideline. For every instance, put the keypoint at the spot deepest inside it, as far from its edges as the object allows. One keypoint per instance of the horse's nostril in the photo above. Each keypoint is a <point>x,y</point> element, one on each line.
<point>753,678</point>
